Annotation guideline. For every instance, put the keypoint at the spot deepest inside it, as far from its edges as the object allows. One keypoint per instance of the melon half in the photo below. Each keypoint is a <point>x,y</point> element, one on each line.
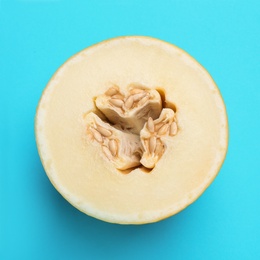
<point>121,189</point>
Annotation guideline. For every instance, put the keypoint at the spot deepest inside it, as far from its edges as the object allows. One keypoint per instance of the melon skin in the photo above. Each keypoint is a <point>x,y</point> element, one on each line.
<point>78,170</point>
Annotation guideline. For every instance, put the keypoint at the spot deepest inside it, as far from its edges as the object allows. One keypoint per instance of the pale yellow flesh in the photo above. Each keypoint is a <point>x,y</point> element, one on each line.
<point>83,175</point>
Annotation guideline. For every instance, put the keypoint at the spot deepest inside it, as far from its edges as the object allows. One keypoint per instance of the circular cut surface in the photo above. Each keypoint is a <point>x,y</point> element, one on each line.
<point>82,174</point>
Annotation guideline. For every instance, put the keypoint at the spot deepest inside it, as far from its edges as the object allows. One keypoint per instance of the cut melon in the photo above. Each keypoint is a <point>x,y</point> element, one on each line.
<point>106,157</point>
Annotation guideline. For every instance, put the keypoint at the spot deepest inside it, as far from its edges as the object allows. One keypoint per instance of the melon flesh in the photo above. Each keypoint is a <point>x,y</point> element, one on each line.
<point>80,172</point>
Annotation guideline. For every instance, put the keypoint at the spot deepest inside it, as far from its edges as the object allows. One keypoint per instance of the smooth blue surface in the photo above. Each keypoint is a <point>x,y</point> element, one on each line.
<point>36,37</point>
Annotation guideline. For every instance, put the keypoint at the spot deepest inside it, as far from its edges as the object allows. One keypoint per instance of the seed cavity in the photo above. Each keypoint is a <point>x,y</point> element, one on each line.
<point>137,127</point>
<point>154,149</point>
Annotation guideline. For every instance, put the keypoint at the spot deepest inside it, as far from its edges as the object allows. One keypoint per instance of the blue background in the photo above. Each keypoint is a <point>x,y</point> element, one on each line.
<point>36,37</point>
